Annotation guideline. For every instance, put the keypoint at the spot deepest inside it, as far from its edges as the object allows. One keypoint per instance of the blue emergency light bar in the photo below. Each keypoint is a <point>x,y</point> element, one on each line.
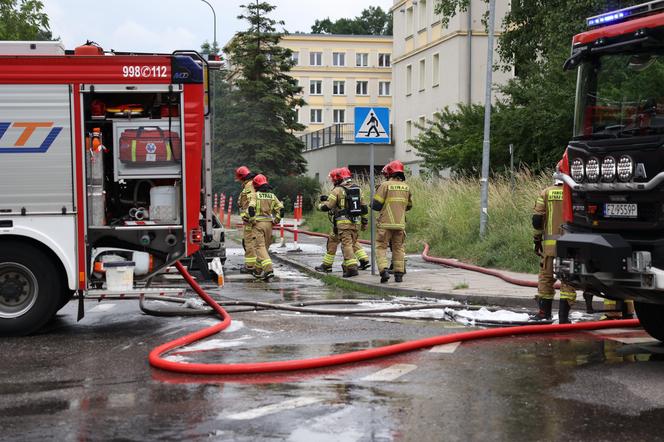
<point>624,14</point>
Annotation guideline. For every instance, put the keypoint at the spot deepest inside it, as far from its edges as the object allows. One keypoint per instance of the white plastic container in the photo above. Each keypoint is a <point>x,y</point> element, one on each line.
<point>165,204</point>
<point>119,275</point>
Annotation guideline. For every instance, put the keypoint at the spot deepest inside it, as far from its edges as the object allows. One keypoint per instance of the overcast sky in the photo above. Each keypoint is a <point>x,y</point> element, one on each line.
<point>166,25</point>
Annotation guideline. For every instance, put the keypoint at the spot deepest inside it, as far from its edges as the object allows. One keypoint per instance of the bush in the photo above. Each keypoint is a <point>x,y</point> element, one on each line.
<point>288,187</point>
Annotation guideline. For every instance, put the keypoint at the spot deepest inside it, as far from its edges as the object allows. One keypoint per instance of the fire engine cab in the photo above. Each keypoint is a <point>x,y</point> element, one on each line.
<point>613,168</point>
<point>104,170</point>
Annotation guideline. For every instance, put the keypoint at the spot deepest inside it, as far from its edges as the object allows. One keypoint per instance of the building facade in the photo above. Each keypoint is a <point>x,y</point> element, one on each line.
<point>435,66</point>
<point>338,73</point>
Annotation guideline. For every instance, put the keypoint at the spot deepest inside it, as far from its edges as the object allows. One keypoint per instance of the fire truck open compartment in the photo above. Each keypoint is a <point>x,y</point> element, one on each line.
<point>133,173</point>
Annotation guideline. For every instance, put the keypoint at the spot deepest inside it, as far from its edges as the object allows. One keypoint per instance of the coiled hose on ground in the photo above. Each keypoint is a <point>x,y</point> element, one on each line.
<point>157,361</point>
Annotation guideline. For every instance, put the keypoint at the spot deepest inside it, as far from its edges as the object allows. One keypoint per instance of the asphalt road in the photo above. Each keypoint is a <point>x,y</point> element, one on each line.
<point>91,381</point>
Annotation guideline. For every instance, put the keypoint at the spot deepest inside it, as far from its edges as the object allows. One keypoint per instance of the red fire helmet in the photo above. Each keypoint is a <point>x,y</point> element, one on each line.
<point>344,173</point>
<point>392,167</point>
<point>241,173</point>
<point>259,180</point>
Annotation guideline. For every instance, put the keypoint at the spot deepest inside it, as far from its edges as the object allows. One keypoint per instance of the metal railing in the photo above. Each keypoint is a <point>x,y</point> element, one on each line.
<point>343,133</point>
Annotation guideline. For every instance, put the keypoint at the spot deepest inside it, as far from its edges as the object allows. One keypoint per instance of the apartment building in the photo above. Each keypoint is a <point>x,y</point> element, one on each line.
<point>338,73</point>
<point>435,66</point>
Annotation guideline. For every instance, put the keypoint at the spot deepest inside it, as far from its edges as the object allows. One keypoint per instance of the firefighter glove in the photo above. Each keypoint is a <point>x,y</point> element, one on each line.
<point>538,246</point>
<point>252,211</point>
<point>323,198</point>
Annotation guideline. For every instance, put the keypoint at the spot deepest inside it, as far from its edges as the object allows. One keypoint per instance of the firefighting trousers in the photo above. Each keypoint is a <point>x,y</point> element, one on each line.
<point>263,237</point>
<point>333,241</point>
<point>347,235</point>
<point>546,280</point>
<point>248,242</point>
<point>383,239</point>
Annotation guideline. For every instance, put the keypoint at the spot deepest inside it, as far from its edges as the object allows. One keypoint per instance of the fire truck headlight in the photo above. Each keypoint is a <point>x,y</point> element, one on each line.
<point>609,169</point>
<point>576,170</point>
<point>592,170</point>
<point>625,168</point>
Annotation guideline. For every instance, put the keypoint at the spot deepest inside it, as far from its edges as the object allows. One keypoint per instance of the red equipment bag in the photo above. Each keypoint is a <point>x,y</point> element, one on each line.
<point>149,144</point>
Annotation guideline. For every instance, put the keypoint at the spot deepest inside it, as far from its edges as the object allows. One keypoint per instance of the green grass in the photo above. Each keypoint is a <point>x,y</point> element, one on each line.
<point>460,286</point>
<point>446,215</point>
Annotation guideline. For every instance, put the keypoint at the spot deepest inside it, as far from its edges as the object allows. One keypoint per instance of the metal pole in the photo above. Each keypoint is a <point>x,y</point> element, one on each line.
<point>372,184</point>
<point>486,145</point>
<point>512,167</point>
<point>214,17</point>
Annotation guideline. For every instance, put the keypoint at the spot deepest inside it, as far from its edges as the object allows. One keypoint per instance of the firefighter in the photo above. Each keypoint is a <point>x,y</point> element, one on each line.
<point>337,176</point>
<point>265,211</point>
<point>347,208</point>
<point>547,222</point>
<point>392,199</point>
<point>247,195</point>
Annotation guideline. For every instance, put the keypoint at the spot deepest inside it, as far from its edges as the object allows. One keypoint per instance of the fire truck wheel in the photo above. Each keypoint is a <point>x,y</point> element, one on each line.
<point>30,290</point>
<point>652,318</point>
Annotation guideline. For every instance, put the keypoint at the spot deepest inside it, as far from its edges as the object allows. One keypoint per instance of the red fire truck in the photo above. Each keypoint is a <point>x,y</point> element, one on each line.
<point>613,168</point>
<point>104,170</point>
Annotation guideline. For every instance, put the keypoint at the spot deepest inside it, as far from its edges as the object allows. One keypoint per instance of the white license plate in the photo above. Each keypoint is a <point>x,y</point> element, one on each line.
<point>620,210</point>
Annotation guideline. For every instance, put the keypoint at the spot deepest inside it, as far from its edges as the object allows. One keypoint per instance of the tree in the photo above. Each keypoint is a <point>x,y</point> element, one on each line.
<point>535,108</point>
<point>372,21</point>
<point>256,104</point>
<point>23,20</point>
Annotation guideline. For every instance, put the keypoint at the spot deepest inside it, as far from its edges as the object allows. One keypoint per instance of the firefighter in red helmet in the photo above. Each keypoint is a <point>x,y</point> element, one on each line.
<point>392,200</point>
<point>247,195</point>
<point>347,209</point>
<point>265,210</point>
<point>547,222</point>
<point>333,240</point>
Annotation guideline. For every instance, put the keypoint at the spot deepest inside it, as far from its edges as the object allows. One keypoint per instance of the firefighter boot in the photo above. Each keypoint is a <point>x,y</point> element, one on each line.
<point>323,268</point>
<point>364,264</point>
<point>588,297</point>
<point>398,277</point>
<point>266,276</point>
<point>384,276</point>
<point>350,271</point>
<point>563,312</point>
<point>544,312</point>
<point>246,270</point>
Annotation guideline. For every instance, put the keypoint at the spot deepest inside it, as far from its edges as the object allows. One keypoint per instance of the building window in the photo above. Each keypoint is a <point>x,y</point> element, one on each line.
<point>297,115</point>
<point>384,88</point>
<point>316,58</point>
<point>295,56</point>
<point>384,60</point>
<point>421,122</point>
<point>423,14</point>
<point>315,87</point>
<point>435,72</point>
<point>423,74</point>
<point>362,88</point>
<point>409,79</point>
<point>338,59</point>
<point>339,116</point>
<point>316,116</point>
<point>362,59</point>
<point>409,21</point>
<point>409,130</point>
<point>339,88</point>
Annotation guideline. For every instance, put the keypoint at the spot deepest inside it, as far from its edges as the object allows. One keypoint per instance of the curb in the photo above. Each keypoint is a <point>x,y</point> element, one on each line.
<point>466,298</point>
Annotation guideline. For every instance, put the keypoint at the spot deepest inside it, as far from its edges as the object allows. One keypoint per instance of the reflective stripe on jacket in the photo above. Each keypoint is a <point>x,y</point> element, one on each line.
<point>396,199</point>
<point>550,206</point>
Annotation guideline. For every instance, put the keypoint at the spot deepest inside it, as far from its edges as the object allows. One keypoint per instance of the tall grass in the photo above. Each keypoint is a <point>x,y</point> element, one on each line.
<point>446,215</point>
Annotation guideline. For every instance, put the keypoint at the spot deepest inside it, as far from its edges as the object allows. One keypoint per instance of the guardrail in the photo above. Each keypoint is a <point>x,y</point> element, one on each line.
<point>329,136</point>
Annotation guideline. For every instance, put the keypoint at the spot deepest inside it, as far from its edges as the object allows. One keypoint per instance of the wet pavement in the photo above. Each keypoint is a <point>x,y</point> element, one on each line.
<point>91,380</point>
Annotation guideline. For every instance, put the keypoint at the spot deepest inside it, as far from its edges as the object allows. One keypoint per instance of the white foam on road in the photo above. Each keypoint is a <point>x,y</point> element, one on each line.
<point>176,358</point>
<point>390,373</point>
<point>483,314</point>
<point>302,248</point>
<point>235,326</point>
<point>274,408</point>
<point>445,348</point>
<point>102,308</point>
<point>213,344</point>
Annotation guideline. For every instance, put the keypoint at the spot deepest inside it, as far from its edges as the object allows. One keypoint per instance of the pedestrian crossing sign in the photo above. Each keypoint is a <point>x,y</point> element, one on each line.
<point>372,125</point>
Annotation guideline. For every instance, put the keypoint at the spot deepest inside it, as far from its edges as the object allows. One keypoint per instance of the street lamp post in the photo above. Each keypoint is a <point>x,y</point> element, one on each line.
<point>486,146</point>
<point>214,17</point>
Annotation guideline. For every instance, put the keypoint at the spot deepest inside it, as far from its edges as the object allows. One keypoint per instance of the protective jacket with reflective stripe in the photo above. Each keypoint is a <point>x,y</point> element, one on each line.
<point>247,195</point>
<point>549,206</point>
<point>336,204</point>
<point>268,207</point>
<point>395,198</point>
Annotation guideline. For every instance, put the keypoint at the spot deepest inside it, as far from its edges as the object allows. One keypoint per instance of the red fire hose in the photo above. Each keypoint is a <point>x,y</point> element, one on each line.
<point>157,361</point>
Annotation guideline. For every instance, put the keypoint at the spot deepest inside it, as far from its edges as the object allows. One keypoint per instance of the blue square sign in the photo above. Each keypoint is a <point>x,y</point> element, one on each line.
<point>372,125</point>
